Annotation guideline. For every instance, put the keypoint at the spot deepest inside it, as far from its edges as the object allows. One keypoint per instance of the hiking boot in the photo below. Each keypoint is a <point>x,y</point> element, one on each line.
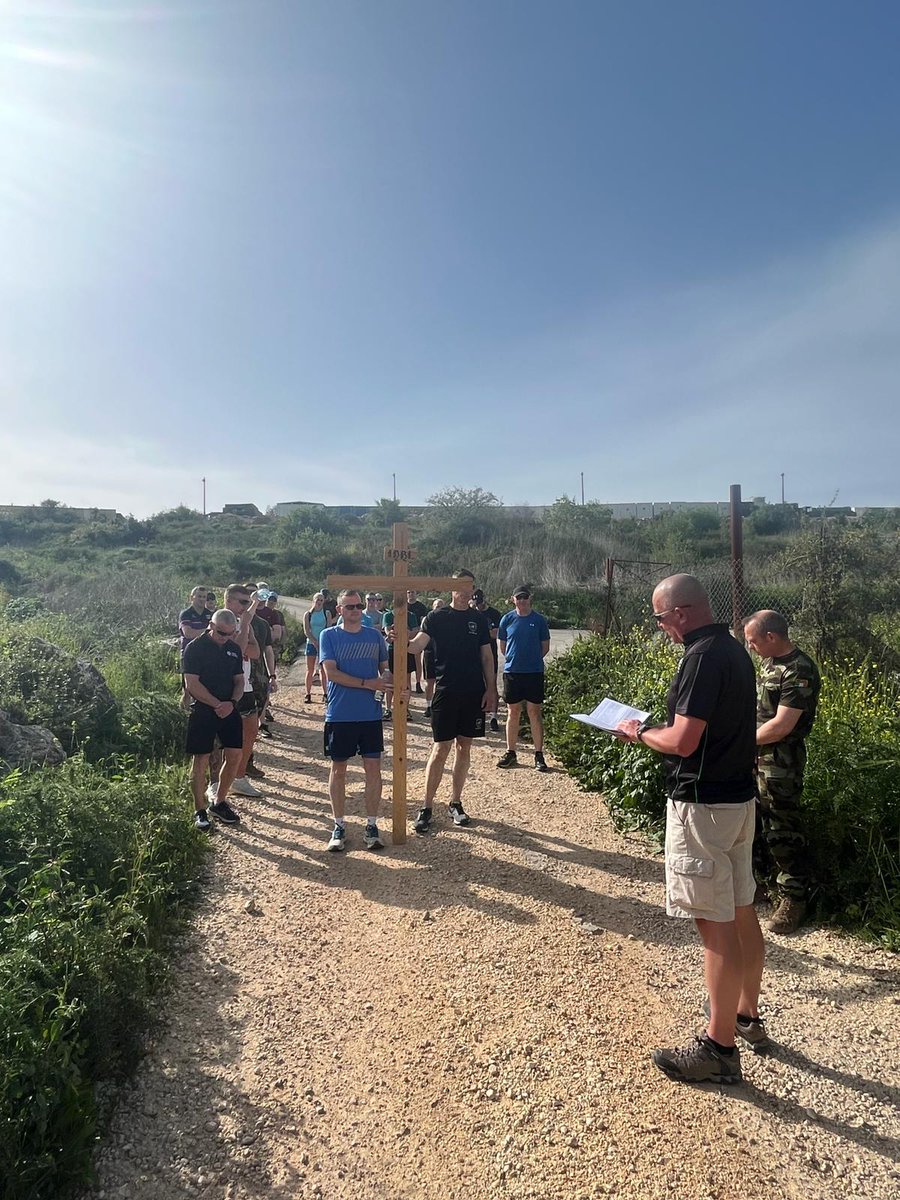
<point>337,841</point>
<point>699,1062</point>
<point>243,787</point>
<point>539,764</point>
<point>761,895</point>
<point>423,820</point>
<point>508,759</point>
<point>225,813</point>
<point>371,838</point>
<point>751,1029</point>
<point>255,772</point>
<point>459,815</point>
<point>201,820</point>
<point>788,916</point>
<point>495,728</point>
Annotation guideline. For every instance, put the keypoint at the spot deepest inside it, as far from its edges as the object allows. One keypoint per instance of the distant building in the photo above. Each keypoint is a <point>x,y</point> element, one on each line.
<point>60,510</point>
<point>241,510</point>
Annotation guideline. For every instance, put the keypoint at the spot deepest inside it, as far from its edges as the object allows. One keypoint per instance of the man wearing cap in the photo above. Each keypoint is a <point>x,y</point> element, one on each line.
<point>492,615</point>
<point>192,623</point>
<point>524,638</point>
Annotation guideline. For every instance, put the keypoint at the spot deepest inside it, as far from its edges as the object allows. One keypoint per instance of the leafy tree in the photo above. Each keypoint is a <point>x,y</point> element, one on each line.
<point>457,497</point>
<point>566,517</point>
<point>385,513</point>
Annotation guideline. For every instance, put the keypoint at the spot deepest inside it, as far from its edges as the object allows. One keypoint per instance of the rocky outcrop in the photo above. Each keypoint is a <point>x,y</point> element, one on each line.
<point>27,746</point>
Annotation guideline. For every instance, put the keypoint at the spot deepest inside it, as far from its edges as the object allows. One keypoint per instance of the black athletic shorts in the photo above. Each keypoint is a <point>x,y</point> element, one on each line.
<point>204,727</point>
<point>410,661</point>
<point>428,663</point>
<point>521,686</point>
<point>346,739</point>
<point>247,706</point>
<point>456,714</point>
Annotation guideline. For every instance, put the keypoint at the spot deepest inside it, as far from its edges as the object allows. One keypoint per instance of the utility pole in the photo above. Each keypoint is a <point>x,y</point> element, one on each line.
<point>582,488</point>
<point>782,489</point>
<point>203,481</point>
<point>394,477</point>
<point>737,562</point>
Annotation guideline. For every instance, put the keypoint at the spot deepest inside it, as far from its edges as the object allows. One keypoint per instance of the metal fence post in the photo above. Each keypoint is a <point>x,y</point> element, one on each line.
<point>737,563</point>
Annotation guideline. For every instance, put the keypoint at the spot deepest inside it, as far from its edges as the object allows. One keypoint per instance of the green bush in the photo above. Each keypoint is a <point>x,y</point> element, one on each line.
<point>94,871</point>
<point>852,787</point>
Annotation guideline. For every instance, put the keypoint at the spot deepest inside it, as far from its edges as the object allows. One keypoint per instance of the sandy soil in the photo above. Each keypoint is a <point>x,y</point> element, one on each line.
<point>470,1015</point>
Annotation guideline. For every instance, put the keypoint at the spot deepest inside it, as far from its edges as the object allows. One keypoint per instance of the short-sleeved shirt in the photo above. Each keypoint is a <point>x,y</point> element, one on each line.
<point>420,610</point>
<point>715,682</point>
<point>193,620</point>
<point>412,621</point>
<point>456,640</point>
<point>361,655</point>
<point>523,637</point>
<point>215,665</point>
<point>262,631</point>
<point>794,681</point>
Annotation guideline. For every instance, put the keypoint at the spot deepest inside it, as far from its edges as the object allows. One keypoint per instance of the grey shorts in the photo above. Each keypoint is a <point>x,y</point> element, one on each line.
<point>709,859</point>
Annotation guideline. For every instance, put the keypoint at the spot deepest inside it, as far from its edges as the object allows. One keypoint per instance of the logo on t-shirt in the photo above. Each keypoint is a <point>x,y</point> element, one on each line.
<point>473,627</point>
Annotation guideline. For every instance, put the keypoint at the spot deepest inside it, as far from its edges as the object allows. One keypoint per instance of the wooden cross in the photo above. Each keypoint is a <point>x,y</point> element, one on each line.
<point>401,555</point>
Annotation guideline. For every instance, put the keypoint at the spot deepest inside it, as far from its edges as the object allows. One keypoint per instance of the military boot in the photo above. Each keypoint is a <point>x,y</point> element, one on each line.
<point>788,916</point>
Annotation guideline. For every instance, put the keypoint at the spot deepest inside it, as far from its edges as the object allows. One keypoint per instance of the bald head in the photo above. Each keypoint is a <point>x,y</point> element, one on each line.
<point>682,590</point>
<point>682,605</point>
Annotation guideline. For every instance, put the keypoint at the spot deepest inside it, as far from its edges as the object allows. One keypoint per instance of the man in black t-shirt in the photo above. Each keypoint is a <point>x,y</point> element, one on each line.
<point>465,687</point>
<point>709,747</point>
<point>214,679</point>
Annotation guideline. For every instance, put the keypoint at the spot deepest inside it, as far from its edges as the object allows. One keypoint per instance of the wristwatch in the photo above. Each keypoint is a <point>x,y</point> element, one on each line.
<point>642,729</point>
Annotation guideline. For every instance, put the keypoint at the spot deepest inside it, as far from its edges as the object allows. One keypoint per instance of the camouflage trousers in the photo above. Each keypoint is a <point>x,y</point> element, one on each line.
<point>781,839</point>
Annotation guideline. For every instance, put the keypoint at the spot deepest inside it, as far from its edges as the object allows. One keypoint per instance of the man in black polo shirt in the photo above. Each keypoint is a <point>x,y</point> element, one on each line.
<point>214,678</point>
<point>709,746</point>
<point>465,687</point>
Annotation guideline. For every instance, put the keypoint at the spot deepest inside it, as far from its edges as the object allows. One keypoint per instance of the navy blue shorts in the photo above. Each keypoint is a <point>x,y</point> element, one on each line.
<point>346,739</point>
<point>204,727</point>
<point>455,714</point>
<point>523,686</point>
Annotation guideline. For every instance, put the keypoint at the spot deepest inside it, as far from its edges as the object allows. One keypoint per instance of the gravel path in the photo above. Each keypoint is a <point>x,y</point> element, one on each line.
<point>468,1017</point>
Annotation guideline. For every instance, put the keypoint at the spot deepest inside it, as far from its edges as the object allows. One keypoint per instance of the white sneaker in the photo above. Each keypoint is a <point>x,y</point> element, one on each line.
<point>243,787</point>
<point>212,793</point>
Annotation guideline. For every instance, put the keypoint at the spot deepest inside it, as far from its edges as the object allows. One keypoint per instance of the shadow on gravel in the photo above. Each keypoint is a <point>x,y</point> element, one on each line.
<point>781,1109</point>
<point>857,1083</point>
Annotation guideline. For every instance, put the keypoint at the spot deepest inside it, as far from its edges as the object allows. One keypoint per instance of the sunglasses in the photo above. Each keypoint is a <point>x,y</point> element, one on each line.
<point>659,616</point>
<point>352,606</point>
<point>225,633</point>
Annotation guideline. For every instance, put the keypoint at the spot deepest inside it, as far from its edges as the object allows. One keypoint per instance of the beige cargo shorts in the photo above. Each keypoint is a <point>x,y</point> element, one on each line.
<point>709,859</point>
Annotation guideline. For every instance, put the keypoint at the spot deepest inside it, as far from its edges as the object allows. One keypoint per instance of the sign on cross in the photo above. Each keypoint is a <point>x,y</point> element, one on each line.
<point>400,554</point>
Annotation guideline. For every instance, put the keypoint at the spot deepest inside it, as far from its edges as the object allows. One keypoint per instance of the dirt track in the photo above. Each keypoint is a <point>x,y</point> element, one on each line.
<point>434,1021</point>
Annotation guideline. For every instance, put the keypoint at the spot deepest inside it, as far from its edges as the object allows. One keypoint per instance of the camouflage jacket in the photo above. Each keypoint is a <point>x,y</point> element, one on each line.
<point>794,681</point>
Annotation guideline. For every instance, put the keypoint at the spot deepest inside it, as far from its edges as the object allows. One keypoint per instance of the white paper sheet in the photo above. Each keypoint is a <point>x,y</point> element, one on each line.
<point>608,714</point>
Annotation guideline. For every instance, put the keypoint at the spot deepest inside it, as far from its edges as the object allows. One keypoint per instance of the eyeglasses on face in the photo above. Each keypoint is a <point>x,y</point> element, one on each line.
<point>659,616</point>
<point>221,632</point>
<point>351,606</point>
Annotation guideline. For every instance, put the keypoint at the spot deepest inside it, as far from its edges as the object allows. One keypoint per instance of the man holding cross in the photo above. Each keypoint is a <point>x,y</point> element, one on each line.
<point>465,688</point>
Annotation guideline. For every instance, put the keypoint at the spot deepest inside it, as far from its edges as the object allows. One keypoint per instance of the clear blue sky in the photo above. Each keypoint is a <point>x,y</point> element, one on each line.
<point>296,247</point>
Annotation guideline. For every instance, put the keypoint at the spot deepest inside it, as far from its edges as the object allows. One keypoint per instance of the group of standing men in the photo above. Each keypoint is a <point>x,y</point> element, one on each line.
<point>458,645</point>
<point>720,737</point>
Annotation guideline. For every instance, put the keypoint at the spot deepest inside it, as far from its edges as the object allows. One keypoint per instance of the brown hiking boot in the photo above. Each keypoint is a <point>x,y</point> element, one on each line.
<point>788,916</point>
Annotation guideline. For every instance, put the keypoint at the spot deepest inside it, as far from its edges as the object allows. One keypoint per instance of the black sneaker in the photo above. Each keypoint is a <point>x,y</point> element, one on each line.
<point>225,813</point>
<point>508,760</point>
<point>201,820</point>
<point>372,838</point>
<point>539,764</point>
<point>419,691</point>
<point>254,771</point>
<point>427,710</point>
<point>265,731</point>
<point>387,715</point>
<point>495,728</point>
<point>423,820</point>
<point>460,817</point>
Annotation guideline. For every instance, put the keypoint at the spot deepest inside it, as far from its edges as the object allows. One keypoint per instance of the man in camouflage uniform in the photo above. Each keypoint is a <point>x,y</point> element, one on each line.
<point>789,688</point>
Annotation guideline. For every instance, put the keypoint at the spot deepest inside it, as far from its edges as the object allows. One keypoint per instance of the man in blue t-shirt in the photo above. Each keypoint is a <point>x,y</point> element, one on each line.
<point>353,659</point>
<point>524,639</point>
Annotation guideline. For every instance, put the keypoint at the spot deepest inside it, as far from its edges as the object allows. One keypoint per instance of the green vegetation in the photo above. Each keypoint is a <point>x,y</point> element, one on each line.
<point>852,792</point>
<point>98,858</point>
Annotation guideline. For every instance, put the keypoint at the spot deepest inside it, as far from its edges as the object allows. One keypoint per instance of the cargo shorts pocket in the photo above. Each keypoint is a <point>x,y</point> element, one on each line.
<point>690,882</point>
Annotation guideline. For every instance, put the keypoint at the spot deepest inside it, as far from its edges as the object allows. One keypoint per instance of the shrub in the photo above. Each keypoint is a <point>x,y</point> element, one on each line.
<point>94,871</point>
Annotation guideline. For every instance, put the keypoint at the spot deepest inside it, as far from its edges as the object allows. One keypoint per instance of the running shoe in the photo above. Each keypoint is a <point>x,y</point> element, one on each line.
<point>337,841</point>
<point>225,813</point>
<point>371,838</point>
<point>243,787</point>
<point>459,815</point>
<point>508,759</point>
<point>423,820</point>
<point>201,820</point>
